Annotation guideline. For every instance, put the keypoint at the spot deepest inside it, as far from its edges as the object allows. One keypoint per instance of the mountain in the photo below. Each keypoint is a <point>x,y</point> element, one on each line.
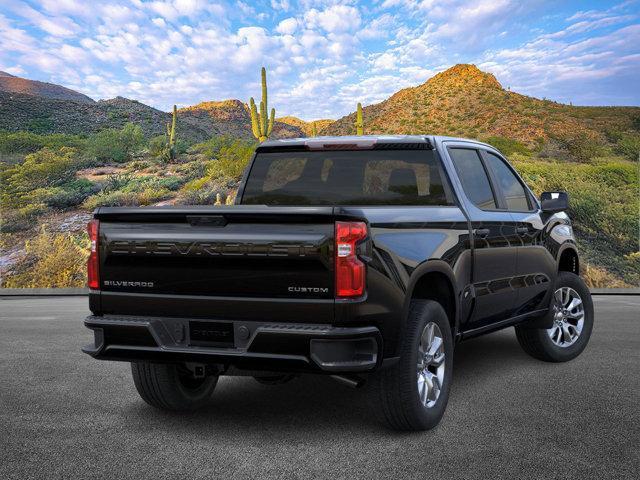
<point>306,127</point>
<point>47,108</point>
<point>19,111</point>
<point>464,101</point>
<point>231,117</point>
<point>16,85</point>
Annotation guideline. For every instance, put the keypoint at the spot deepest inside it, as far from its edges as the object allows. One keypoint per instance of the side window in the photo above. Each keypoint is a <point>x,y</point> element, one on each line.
<point>473,177</point>
<point>514,192</point>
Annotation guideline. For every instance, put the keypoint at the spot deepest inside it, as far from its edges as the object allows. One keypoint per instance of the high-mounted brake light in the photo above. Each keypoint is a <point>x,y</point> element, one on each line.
<point>350,271</point>
<point>93,276</point>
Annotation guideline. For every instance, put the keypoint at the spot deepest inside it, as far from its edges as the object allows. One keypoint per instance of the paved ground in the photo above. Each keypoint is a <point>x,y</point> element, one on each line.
<point>64,415</point>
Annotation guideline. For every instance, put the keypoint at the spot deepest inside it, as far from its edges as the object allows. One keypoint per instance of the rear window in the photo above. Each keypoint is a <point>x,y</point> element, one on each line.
<point>363,177</point>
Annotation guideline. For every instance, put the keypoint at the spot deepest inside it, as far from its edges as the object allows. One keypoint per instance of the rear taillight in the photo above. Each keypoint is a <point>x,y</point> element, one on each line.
<point>350,271</point>
<point>93,276</point>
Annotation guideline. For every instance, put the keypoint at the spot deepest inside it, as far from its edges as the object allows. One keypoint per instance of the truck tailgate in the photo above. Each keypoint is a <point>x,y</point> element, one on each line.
<point>242,255</point>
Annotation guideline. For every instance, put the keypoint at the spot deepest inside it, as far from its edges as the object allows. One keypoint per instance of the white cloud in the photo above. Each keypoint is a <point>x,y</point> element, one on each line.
<point>280,5</point>
<point>15,70</point>
<point>335,19</point>
<point>56,26</point>
<point>379,27</point>
<point>287,26</point>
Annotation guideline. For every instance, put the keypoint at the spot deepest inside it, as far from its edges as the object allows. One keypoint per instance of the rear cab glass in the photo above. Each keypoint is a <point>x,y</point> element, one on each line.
<point>353,177</point>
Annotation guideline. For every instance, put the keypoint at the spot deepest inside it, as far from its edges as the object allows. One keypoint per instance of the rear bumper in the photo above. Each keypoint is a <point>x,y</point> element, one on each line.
<point>251,345</point>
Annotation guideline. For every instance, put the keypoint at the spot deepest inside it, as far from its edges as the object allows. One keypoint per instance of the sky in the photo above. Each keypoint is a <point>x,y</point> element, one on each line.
<point>322,57</point>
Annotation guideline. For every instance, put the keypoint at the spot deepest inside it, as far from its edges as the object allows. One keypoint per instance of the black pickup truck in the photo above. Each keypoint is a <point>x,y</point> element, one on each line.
<point>365,258</point>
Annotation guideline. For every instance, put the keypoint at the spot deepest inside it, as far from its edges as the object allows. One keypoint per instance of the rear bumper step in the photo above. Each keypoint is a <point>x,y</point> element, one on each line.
<point>242,344</point>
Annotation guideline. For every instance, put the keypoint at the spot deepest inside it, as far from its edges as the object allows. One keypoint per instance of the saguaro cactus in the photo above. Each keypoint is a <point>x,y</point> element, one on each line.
<point>260,124</point>
<point>359,124</point>
<point>314,130</point>
<point>171,135</point>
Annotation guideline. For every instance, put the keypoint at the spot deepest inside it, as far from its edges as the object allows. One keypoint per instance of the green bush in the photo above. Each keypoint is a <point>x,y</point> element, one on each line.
<point>507,146</point>
<point>44,169</point>
<point>52,261</point>
<point>629,146</point>
<point>28,142</point>
<point>40,125</point>
<point>24,218</point>
<point>126,199</point>
<point>116,145</point>
<point>604,199</point>
<point>157,145</point>
<point>582,146</point>
<point>68,195</point>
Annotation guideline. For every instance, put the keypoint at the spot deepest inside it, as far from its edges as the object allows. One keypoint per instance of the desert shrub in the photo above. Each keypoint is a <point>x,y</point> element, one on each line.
<point>192,170</point>
<point>171,183</point>
<point>507,146</point>
<point>52,261</point>
<point>603,197</point>
<point>599,278</point>
<point>157,145</point>
<point>581,146</point>
<point>44,169</point>
<point>28,142</point>
<point>203,196</point>
<point>232,160</point>
<point>116,182</point>
<point>40,125</point>
<point>68,195</point>
<point>205,190</point>
<point>629,146</point>
<point>127,198</point>
<point>19,219</point>
<point>116,145</point>
<point>137,165</point>
<point>228,149</point>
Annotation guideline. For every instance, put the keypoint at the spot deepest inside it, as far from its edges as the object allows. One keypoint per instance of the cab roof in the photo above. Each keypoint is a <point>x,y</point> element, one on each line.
<point>359,142</point>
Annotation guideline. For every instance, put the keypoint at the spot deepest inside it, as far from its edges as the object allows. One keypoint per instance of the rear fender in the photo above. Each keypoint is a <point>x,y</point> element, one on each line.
<point>425,268</point>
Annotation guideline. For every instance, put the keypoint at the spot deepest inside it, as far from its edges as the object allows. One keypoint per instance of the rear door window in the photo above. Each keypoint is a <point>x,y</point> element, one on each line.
<point>512,189</point>
<point>473,177</point>
<point>362,177</point>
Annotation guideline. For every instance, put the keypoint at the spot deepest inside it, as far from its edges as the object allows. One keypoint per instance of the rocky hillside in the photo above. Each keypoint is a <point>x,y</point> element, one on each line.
<point>12,84</point>
<point>306,127</point>
<point>20,111</point>
<point>231,117</point>
<point>464,101</point>
<point>48,108</point>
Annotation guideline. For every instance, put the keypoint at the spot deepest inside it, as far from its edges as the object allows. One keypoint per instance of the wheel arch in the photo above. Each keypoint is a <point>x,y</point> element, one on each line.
<point>435,280</point>
<point>568,259</point>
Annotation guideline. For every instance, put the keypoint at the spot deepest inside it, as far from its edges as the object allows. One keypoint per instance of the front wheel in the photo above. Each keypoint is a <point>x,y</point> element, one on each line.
<point>172,387</point>
<point>413,394</point>
<point>572,311</point>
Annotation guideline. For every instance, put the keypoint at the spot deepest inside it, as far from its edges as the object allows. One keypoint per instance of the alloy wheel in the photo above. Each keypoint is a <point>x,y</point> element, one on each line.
<point>431,364</point>
<point>568,317</point>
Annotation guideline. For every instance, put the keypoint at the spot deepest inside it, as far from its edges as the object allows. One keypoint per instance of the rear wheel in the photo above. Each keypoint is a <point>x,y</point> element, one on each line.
<point>413,394</point>
<point>572,312</point>
<point>172,387</point>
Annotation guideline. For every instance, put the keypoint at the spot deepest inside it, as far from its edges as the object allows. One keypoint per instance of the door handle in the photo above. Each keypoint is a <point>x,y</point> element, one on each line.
<point>522,230</point>
<point>481,232</point>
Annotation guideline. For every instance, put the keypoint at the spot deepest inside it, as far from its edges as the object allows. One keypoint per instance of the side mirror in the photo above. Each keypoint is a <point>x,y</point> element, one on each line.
<point>554,201</point>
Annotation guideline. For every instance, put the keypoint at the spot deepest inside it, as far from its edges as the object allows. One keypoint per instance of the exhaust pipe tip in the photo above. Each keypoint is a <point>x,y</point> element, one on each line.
<point>349,380</point>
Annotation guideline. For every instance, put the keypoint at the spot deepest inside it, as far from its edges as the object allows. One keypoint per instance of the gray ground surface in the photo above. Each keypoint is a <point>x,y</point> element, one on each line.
<point>64,415</point>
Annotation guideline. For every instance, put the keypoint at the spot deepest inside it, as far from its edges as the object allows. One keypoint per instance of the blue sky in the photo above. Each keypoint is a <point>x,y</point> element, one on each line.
<point>322,56</point>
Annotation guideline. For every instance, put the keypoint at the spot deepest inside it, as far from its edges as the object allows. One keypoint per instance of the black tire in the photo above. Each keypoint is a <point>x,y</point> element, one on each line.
<point>275,379</point>
<point>170,387</point>
<point>537,342</point>
<point>394,390</point>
